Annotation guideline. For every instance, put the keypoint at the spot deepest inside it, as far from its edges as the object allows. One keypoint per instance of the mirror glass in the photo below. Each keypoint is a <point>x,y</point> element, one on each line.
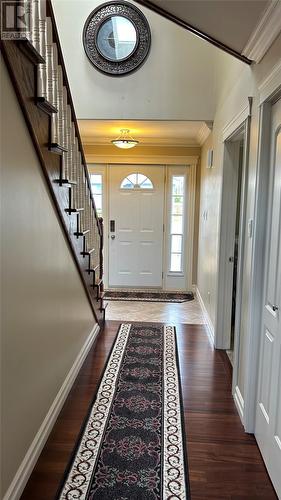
<point>116,38</point>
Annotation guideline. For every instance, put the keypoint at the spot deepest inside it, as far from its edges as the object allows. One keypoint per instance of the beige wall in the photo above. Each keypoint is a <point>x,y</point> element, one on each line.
<point>46,317</point>
<point>176,82</point>
<point>235,83</point>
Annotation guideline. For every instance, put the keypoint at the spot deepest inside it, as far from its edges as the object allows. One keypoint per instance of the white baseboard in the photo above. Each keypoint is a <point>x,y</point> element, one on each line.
<point>17,486</point>
<point>239,402</point>
<point>209,324</point>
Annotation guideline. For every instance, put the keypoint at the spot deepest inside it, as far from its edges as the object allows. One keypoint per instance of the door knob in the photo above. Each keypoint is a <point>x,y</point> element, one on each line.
<point>113,236</point>
<point>275,308</point>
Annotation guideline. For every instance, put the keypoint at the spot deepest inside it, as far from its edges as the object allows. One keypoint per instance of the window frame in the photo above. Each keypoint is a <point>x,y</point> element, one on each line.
<point>180,172</point>
<point>102,191</point>
<point>136,188</point>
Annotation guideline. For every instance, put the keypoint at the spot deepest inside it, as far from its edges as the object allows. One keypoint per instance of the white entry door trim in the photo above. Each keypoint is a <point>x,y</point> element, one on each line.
<point>189,165</point>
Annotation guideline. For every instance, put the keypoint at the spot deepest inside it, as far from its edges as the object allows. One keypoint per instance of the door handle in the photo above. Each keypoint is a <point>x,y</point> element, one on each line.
<point>231,259</point>
<point>275,308</point>
<point>113,236</point>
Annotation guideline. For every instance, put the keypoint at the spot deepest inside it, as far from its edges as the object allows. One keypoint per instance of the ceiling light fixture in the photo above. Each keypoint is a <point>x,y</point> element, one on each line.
<point>125,141</point>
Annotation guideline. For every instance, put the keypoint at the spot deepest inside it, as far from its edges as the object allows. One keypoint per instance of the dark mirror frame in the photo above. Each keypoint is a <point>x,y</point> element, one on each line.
<point>91,29</point>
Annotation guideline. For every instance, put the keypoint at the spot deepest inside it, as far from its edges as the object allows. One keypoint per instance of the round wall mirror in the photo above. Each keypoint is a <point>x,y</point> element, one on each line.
<point>116,38</point>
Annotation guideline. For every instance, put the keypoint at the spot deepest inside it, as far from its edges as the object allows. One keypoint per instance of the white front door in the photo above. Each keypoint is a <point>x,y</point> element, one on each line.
<point>135,225</point>
<point>268,412</point>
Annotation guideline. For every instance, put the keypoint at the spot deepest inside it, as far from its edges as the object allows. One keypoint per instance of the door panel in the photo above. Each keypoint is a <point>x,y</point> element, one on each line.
<point>272,288</point>
<point>266,363</point>
<point>268,413</point>
<point>277,431</point>
<point>135,247</point>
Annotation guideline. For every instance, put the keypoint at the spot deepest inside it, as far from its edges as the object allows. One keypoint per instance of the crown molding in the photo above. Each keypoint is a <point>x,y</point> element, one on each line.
<point>144,142</point>
<point>142,160</point>
<point>265,32</point>
<point>204,132</point>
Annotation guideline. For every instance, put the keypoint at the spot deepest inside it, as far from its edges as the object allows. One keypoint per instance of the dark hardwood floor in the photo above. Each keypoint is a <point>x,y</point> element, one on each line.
<point>224,462</point>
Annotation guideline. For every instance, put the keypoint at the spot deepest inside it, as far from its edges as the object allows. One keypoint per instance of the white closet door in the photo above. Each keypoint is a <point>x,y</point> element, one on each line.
<point>268,412</point>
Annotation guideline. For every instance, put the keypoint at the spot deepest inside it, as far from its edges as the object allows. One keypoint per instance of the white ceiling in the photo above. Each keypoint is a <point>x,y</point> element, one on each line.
<point>148,132</point>
<point>231,22</point>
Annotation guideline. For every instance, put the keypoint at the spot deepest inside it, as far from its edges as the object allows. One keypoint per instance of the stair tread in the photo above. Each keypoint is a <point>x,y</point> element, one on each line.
<point>88,252</point>
<point>28,48</point>
<point>92,269</point>
<point>81,233</point>
<point>46,105</point>
<point>98,282</point>
<point>57,148</point>
<point>74,210</point>
<point>65,182</point>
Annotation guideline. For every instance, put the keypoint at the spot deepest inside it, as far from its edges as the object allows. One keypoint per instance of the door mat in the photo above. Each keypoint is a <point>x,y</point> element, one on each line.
<point>148,296</point>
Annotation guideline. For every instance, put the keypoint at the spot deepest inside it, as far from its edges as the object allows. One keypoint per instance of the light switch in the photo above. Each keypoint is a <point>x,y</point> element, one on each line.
<point>210,157</point>
<point>250,228</point>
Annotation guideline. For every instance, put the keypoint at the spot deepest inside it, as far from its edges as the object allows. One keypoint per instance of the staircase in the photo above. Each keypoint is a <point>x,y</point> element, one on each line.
<point>38,74</point>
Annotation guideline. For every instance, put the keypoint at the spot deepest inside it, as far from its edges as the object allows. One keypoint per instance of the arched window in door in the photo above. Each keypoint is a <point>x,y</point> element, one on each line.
<point>136,181</point>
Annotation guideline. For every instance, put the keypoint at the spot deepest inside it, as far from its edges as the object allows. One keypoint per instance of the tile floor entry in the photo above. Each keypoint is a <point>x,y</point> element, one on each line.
<point>160,312</point>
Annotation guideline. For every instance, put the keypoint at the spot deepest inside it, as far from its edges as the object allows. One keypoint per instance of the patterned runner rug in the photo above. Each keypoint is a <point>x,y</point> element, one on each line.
<point>133,444</point>
<point>148,296</point>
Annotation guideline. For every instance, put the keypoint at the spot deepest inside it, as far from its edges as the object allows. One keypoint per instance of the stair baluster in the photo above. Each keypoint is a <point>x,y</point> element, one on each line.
<point>83,217</point>
<point>54,97</point>
<point>65,159</point>
<point>61,124</point>
<point>35,16</point>
<point>41,71</point>
<point>68,135</point>
<point>28,12</point>
<point>49,59</point>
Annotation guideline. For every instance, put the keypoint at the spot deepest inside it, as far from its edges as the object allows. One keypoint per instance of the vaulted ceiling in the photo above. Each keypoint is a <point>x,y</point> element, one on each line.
<point>180,79</point>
